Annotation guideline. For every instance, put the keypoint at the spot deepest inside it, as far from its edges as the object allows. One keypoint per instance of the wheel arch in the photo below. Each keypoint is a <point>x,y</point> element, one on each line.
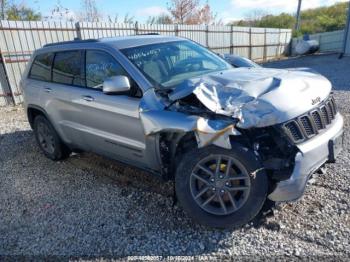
<point>33,111</point>
<point>178,143</point>
<point>171,146</point>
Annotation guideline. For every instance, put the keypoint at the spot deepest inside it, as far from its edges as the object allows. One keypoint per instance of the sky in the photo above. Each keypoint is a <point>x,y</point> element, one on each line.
<point>227,10</point>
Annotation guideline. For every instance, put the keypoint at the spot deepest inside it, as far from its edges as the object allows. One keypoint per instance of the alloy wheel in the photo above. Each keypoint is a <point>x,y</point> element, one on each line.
<point>46,138</point>
<point>220,184</point>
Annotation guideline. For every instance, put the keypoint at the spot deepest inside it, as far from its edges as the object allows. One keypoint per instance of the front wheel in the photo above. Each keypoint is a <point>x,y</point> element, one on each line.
<point>221,188</point>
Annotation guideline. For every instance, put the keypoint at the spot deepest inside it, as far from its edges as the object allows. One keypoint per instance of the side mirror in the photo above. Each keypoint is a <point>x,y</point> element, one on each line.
<point>116,85</point>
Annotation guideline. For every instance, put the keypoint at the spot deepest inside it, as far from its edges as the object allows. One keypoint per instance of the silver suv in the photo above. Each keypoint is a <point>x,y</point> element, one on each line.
<point>231,138</point>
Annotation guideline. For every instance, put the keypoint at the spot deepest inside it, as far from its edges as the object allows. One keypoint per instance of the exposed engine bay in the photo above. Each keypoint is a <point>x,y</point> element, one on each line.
<point>249,109</point>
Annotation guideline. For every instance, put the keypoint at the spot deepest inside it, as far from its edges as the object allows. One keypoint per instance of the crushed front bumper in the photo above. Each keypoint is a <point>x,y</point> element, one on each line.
<point>311,156</point>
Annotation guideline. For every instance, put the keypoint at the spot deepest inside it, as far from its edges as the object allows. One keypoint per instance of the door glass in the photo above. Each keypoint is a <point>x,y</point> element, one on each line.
<point>99,66</point>
<point>41,68</point>
<point>67,68</point>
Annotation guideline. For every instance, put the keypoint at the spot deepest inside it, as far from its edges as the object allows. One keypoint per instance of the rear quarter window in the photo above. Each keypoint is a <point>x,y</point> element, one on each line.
<point>41,67</point>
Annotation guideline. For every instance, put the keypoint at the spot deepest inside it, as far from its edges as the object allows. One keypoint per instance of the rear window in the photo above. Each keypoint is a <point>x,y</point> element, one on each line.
<point>41,67</point>
<point>67,68</point>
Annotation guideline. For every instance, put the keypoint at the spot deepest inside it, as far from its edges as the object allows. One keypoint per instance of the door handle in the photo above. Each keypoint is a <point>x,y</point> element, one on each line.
<point>88,98</point>
<point>47,89</point>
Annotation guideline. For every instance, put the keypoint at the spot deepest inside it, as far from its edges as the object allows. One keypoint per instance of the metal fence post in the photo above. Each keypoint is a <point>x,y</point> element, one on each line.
<point>12,82</point>
<point>231,39</point>
<point>207,36</point>
<point>278,45</point>
<point>250,43</point>
<point>176,28</point>
<point>136,28</point>
<point>7,93</point>
<point>78,30</point>
<point>265,47</point>
<point>291,45</point>
<point>285,43</point>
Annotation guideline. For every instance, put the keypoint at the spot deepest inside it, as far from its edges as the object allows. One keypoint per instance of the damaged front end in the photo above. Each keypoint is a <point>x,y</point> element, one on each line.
<point>187,115</point>
<point>213,105</point>
<point>243,105</point>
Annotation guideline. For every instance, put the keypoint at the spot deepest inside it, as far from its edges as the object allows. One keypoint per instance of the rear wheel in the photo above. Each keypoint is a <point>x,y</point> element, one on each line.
<point>48,139</point>
<point>221,188</point>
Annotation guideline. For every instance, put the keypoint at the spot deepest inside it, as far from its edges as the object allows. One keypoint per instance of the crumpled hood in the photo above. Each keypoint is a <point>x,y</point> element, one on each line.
<point>257,97</point>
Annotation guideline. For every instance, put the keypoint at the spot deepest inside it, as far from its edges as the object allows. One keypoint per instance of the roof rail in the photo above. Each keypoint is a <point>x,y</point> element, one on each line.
<point>148,34</point>
<point>75,41</point>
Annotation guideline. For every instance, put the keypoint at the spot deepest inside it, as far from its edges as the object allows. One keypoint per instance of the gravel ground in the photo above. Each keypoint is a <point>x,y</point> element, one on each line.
<point>88,206</point>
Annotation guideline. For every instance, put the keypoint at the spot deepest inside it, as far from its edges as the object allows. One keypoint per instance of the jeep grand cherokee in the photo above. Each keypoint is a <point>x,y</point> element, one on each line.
<point>230,138</point>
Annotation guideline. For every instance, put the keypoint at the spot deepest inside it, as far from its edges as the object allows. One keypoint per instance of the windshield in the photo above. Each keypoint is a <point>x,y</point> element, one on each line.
<point>168,64</point>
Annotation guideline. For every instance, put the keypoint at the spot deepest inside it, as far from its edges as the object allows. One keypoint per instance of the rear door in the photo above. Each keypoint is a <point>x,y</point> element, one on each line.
<point>109,124</point>
<point>67,73</point>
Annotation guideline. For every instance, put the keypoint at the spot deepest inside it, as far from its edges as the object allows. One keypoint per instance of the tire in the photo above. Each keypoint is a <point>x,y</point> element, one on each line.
<point>48,140</point>
<point>242,206</point>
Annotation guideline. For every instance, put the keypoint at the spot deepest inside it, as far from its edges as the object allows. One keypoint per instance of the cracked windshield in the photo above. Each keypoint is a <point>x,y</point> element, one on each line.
<point>168,64</point>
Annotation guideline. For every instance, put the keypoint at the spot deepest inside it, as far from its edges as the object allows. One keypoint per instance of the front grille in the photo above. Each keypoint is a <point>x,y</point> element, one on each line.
<point>311,123</point>
<point>316,117</point>
<point>325,115</point>
<point>294,130</point>
<point>331,112</point>
<point>307,125</point>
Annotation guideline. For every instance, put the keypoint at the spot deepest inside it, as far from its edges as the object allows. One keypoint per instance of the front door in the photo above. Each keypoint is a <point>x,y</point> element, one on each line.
<point>109,124</point>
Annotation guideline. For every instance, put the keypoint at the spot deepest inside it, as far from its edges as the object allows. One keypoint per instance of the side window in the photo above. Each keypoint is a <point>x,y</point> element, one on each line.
<point>41,67</point>
<point>99,66</point>
<point>67,68</point>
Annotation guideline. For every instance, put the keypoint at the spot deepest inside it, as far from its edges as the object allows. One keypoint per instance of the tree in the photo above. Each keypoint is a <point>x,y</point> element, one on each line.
<point>21,12</point>
<point>59,12</point>
<point>190,12</point>
<point>127,19</point>
<point>256,15</point>
<point>182,10</point>
<point>17,11</point>
<point>252,18</point>
<point>204,15</point>
<point>283,20</point>
<point>324,19</point>
<point>161,19</point>
<point>316,20</point>
<point>3,4</point>
<point>90,12</point>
